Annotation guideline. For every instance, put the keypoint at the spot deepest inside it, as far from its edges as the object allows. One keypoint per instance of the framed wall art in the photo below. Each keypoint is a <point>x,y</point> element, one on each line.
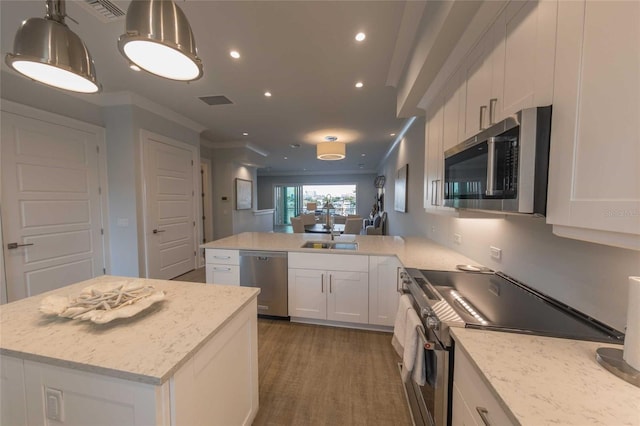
<point>244,194</point>
<point>400,204</point>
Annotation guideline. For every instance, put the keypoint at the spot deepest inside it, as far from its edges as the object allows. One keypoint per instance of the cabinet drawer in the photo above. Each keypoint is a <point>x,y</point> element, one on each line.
<point>222,274</point>
<point>220,256</point>
<point>334,262</point>
<point>476,394</point>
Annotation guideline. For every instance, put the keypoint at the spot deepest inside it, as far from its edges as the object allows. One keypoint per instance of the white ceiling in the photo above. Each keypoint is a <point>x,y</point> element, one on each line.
<point>304,52</point>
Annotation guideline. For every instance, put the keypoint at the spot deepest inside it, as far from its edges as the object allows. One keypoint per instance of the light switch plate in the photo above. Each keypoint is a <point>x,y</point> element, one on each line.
<point>54,406</point>
<point>457,238</point>
<point>496,252</point>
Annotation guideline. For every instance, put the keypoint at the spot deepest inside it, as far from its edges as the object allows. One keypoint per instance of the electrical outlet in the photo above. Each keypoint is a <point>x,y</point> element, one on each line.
<point>457,238</point>
<point>54,406</point>
<point>495,252</point>
<point>433,229</point>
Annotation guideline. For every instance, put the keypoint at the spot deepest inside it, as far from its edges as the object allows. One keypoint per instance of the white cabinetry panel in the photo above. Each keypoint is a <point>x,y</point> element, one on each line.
<point>222,266</point>
<point>594,170</point>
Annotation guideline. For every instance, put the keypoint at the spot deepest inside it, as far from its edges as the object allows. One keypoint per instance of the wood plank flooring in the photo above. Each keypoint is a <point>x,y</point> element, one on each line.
<point>316,375</point>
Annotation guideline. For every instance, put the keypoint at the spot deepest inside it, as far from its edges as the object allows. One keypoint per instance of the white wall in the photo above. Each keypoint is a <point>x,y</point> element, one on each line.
<point>589,277</point>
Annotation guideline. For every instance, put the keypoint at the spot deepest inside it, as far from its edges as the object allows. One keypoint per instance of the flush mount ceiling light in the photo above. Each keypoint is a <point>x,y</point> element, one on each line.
<point>331,150</point>
<point>159,40</point>
<point>46,50</point>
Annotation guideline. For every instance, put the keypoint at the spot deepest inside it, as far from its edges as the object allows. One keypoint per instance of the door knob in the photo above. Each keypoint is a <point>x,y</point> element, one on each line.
<point>155,231</point>
<point>12,246</point>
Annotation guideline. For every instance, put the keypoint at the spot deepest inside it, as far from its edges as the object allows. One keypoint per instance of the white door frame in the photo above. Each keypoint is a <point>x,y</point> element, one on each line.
<point>146,135</point>
<point>49,117</point>
<point>207,207</point>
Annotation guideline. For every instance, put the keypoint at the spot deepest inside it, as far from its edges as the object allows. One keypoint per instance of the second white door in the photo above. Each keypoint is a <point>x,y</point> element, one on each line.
<point>169,207</point>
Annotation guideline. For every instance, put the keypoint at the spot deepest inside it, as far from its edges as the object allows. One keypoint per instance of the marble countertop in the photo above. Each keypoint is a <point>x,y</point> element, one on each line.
<point>413,252</point>
<point>147,348</point>
<point>544,380</point>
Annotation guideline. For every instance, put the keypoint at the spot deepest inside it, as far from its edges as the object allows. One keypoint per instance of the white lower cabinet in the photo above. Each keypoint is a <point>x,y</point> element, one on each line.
<point>473,403</point>
<point>383,289</point>
<point>222,266</point>
<point>217,386</point>
<point>329,287</point>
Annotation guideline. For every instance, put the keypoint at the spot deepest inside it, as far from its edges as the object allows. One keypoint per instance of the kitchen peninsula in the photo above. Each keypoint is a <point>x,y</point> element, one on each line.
<point>189,358</point>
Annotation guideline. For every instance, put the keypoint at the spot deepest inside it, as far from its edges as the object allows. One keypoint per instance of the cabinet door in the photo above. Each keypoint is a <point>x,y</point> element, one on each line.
<point>477,87</point>
<point>451,114</point>
<point>433,158</point>
<point>383,289</point>
<point>594,177</point>
<point>307,293</point>
<point>222,274</point>
<point>348,299</point>
<point>523,57</point>
<point>461,415</point>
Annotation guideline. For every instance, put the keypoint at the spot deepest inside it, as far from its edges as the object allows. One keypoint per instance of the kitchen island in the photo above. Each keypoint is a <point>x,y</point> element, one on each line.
<point>189,359</point>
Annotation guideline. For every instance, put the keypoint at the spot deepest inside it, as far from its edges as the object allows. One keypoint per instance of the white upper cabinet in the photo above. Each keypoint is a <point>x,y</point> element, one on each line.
<point>594,170</point>
<point>433,154</point>
<point>511,67</point>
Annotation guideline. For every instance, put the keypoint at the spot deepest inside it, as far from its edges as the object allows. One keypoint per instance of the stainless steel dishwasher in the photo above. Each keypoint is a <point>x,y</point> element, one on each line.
<point>268,271</point>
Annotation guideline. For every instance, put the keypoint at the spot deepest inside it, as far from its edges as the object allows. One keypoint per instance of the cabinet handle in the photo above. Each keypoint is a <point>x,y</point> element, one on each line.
<point>157,231</point>
<point>322,283</point>
<point>483,110</point>
<point>491,166</point>
<point>483,415</point>
<point>12,246</point>
<point>221,269</point>
<point>222,257</point>
<point>437,192</point>
<point>330,283</point>
<point>492,111</point>
<point>433,191</point>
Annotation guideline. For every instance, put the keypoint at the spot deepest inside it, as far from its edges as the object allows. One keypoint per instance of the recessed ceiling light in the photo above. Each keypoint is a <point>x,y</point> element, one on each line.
<point>294,145</point>
<point>286,158</point>
<point>234,54</point>
<point>359,84</point>
<point>392,134</point>
<point>360,36</point>
<point>267,94</point>
<point>245,134</point>
<point>363,155</point>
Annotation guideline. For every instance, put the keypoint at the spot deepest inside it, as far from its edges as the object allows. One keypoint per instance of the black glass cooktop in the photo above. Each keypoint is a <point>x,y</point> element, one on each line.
<point>490,301</point>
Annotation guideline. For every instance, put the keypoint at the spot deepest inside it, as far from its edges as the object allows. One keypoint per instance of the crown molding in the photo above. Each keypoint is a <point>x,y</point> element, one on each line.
<point>129,98</point>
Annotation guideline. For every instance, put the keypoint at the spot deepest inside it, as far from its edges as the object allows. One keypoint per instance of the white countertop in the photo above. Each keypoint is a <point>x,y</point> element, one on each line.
<point>544,380</point>
<point>148,347</point>
<point>413,252</point>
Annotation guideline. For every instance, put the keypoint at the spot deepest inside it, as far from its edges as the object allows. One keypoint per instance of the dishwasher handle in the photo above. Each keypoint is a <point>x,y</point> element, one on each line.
<point>262,255</point>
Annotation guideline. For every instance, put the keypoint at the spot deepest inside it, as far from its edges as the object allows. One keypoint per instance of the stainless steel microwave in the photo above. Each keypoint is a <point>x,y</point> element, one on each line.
<point>504,168</point>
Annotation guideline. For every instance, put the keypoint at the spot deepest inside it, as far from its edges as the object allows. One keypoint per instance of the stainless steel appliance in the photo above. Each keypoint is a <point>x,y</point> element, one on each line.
<point>268,271</point>
<point>488,300</point>
<point>504,168</point>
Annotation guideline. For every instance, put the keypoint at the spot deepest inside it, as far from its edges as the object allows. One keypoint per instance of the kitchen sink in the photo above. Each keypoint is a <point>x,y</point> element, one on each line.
<point>330,245</point>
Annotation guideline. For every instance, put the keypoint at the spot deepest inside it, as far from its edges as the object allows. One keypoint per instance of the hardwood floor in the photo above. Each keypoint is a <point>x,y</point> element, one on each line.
<point>315,375</point>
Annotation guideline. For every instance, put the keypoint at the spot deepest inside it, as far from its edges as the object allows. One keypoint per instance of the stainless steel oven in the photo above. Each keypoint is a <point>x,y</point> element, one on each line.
<point>490,301</point>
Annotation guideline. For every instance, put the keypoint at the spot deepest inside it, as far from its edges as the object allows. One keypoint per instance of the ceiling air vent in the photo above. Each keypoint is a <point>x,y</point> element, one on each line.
<point>215,100</point>
<point>105,10</point>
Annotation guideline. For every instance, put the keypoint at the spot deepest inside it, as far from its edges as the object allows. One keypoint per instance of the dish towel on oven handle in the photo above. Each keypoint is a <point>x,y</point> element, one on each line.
<point>400,324</point>
<point>413,362</point>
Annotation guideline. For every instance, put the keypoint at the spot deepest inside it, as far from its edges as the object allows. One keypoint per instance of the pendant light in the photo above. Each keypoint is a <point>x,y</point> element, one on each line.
<point>46,50</point>
<point>331,150</point>
<point>159,40</point>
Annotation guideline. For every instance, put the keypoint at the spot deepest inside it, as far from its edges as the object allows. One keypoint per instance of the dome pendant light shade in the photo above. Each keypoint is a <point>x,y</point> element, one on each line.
<point>331,151</point>
<point>159,40</point>
<point>46,50</point>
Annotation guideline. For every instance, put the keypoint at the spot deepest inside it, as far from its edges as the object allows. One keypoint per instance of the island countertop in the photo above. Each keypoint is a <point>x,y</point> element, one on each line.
<point>545,380</point>
<point>413,252</point>
<point>147,348</point>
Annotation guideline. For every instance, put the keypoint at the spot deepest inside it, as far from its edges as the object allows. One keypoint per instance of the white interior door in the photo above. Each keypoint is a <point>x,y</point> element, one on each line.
<point>51,205</point>
<point>169,207</point>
